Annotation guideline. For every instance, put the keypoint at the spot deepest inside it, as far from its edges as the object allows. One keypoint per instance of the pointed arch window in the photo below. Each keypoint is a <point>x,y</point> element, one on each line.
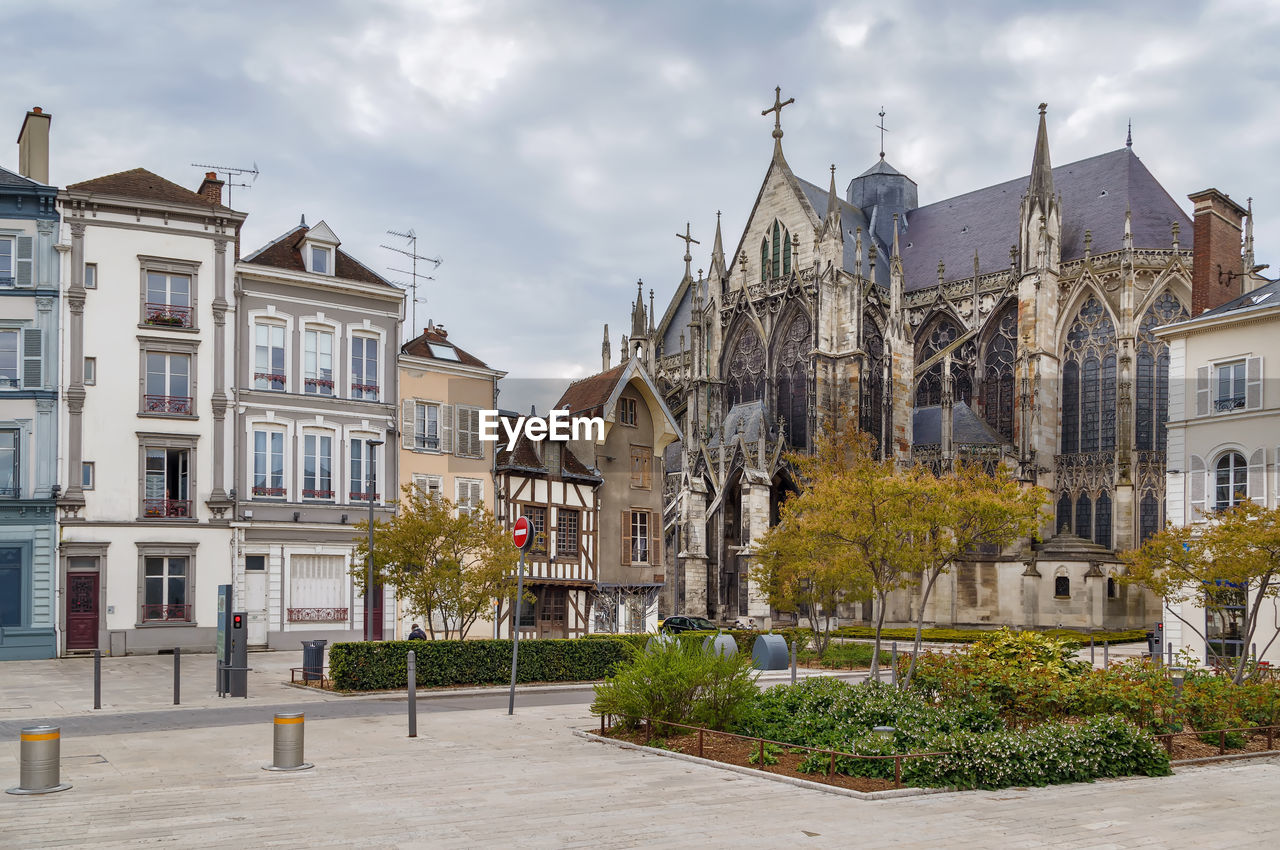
<point>929,391</point>
<point>1064,513</point>
<point>997,377</point>
<point>1149,518</point>
<point>1102,520</point>
<point>775,252</point>
<point>871,393</point>
<point>793,380</point>
<point>1152,407</point>
<point>744,373</point>
<point>1088,382</point>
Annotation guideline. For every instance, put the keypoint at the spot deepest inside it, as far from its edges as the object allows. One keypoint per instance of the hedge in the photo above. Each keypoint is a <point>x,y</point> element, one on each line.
<point>970,635</point>
<point>382,665</point>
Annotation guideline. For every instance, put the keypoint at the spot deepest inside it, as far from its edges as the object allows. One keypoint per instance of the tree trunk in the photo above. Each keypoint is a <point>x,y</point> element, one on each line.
<point>881,595</point>
<point>915,652</point>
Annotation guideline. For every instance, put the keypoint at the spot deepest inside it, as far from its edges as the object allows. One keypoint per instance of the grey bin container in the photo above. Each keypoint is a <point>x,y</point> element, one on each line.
<point>659,641</point>
<point>769,652</point>
<point>720,645</point>
<point>313,660</point>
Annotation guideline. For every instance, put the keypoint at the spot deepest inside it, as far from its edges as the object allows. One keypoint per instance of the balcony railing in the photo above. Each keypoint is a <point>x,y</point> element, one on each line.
<point>10,492</point>
<point>167,508</point>
<point>317,615</point>
<point>317,494</point>
<point>166,613</point>
<point>1235,402</point>
<point>274,381</point>
<point>369,392</point>
<point>319,386</point>
<point>167,315</point>
<point>10,382</point>
<point>357,496</point>
<point>175,404</point>
<point>259,490</point>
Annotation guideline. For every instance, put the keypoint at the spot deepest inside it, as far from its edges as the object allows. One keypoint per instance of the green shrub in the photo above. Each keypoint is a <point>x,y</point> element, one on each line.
<point>380,665</point>
<point>970,635</point>
<point>676,682</point>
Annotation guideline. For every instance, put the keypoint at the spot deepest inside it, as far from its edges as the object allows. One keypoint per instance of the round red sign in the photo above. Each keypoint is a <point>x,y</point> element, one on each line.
<point>522,533</point>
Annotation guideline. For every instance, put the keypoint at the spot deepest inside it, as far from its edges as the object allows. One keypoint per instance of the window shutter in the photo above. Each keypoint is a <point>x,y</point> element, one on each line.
<point>406,424</point>
<point>1257,480</point>
<point>33,358</point>
<point>1197,475</point>
<point>655,540</point>
<point>446,428</point>
<point>420,485</point>
<point>462,431</point>
<point>1202,391</point>
<point>22,263</point>
<point>626,538</point>
<point>476,493</point>
<point>1253,383</point>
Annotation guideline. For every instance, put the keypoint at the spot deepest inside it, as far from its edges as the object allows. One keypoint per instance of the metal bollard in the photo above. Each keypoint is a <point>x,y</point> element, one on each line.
<point>97,678</point>
<point>287,750</point>
<point>40,761</point>
<point>177,675</point>
<point>1106,654</point>
<point>1091,650</point>
<point>794,653</point>
<point>893,664</point>
<point>413,694</point>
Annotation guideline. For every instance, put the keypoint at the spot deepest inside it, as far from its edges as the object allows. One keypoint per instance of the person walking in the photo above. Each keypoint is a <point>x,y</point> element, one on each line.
<point>416,633</point>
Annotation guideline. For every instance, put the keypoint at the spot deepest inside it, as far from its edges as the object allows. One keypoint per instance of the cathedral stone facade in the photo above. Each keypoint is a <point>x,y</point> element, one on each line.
<point>1009,325</point>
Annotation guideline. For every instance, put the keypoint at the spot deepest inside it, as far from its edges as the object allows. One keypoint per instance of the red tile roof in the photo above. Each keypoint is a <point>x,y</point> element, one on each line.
<point>590,393</point>
<point>418,347</point>
<point>286,253</point>
<point>145,186</point>
<point>524,458</point>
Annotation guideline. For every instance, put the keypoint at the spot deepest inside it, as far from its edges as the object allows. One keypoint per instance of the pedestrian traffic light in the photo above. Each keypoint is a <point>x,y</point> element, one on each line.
<point>237,621</point>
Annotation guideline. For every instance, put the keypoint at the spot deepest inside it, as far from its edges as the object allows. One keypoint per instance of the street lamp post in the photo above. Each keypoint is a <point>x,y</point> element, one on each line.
<point>369,480</point>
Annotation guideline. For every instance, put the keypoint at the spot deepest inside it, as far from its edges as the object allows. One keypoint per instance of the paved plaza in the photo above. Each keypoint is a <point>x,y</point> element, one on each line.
<point>146,774</point>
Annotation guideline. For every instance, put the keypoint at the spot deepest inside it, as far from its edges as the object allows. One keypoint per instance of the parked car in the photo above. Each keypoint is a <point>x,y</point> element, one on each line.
<point>675,625</point>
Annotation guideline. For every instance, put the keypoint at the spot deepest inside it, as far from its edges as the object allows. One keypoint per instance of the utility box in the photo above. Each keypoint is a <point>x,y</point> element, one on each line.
<point>237,670</point>
<point>1155,642</point>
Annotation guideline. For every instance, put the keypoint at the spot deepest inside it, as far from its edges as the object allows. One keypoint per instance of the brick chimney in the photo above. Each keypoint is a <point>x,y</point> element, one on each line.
<point>211,188</point>
<point>441,332</point>
<point>33,145</point>
<point>1216,259</point>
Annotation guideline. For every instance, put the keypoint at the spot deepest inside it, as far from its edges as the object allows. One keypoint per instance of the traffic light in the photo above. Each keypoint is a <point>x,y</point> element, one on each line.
<point>237,621</point>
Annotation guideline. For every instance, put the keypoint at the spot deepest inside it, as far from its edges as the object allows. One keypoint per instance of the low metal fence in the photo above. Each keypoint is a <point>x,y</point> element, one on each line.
<point>311,678</point>
<point>1270,731</point>
<point>760,743</point>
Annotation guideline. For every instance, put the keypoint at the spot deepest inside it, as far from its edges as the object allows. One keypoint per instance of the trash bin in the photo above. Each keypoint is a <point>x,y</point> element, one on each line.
<point>313,660</point>
<point>659,641</point>
<point>720,644</point>
<point>769,652</point>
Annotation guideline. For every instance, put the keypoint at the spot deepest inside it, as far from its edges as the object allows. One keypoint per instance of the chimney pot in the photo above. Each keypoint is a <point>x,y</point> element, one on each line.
<point>211,187</point>
<point>33,145</point>
<point>37,110</point>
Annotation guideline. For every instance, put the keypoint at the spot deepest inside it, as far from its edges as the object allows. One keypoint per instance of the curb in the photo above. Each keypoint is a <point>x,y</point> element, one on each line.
<point>892,793</point>
<point>1224,757</point>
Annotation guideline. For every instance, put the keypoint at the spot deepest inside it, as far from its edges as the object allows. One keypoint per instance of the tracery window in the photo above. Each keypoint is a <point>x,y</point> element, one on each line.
<point>1149,519</point>
<point>793,380</point>
<point>929,390</point>
<point>1089,382</point>
<point>745,373</point>
<point>775,252</point>
<point>871,403</point>
<point>1153,372</point>
<point>997,378</point>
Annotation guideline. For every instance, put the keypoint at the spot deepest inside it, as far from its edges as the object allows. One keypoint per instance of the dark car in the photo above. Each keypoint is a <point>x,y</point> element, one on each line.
<point>675,625</point>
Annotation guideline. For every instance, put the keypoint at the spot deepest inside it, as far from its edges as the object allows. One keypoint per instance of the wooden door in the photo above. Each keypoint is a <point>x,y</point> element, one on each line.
<point>376,609</point>
<point>552,603</point>
<point>82,611</point>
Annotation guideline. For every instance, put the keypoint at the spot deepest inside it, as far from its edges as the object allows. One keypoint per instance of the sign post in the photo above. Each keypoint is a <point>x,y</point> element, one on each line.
<point>224,636</point>
<point>522,537</point>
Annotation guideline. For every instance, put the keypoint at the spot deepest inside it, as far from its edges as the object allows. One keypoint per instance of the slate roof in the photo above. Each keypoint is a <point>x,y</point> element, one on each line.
<point>590,393</point>
<point>418,347</point>
<point>9,178</point>
<point>746,418</point>
<point>144,186</point>
<point>1267,295</point>
<point>1095,194</point>
<point>966,428</point>
<point>851,218</point>
<point>525,458</point>
<point>285,252</point>
<point>1067,543</point>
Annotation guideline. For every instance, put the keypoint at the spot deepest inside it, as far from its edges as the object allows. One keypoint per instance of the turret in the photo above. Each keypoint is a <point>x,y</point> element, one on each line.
<point>1039,238</point>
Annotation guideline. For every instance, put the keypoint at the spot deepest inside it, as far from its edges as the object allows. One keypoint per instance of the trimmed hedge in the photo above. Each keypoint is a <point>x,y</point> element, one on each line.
<point>970,635</point>
<point>382,665</point>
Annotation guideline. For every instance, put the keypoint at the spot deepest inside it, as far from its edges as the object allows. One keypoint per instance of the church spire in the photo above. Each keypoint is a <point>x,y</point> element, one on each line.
<point>776,109</point>
<point>606,354</point>
<point>1041,186</point>
<point>1128,139</point>
<point>833,199</point>
<point>717,247</point>
<point>688,257</point>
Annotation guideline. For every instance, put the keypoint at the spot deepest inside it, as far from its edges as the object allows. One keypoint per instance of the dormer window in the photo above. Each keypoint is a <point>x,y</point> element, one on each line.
<point>320,259</point>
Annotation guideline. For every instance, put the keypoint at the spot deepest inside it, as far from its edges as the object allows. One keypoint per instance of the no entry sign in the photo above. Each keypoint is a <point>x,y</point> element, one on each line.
<point>522,533</point>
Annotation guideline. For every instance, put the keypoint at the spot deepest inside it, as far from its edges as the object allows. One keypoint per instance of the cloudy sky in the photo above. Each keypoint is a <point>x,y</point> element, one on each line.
<point>549,151</point>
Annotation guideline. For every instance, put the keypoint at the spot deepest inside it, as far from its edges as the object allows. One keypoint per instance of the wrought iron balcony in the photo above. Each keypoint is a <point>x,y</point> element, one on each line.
<point>368,392</point>
<point>274,381</point>
<point>1234,402</point>
<point>167,508</point>
<point>167,315</point>
<point>166,613</point>
<point>357,496</point>
<point>317,494</point>
<point>175,404</point>
<point>259,490</point>
<point>319,386</point>
<point>317,615</point>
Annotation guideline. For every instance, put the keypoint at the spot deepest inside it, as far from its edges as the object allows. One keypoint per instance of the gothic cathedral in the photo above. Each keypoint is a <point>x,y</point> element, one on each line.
<point>1012,324</point>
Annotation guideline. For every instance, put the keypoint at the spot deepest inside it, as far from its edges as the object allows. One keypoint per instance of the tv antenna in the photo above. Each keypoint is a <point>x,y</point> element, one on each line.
<point>412,253</point>
<point>231,172</point>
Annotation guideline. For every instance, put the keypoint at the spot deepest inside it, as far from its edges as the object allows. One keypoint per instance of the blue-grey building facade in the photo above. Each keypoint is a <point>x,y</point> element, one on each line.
<point>28,399</point>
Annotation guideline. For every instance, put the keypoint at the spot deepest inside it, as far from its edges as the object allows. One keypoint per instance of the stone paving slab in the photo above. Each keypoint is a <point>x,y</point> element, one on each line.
<point>478,778</point>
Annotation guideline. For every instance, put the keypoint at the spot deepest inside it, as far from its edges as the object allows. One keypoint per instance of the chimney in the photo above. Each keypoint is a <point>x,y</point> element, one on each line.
<point>33,146</point>
<point>211,188</point>
<point>441,332</point>
<point>1216,257</point>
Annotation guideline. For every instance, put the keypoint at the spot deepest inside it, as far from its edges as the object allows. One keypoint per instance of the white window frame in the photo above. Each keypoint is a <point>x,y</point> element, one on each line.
<point>90,275</point>
<point>430,485</point>
<point>272,437</point>
<point>369,458</point>
<point>88,475</point>
<point>645,538</point>
<point>266,384</point>
<point>90,371</point>
<point>1237,381</point>
<point>7,280</point>
<point>465,504</point>
<point>366,335</point>
<point>318,436</point>
<point>312,249</point>
<point>309,374</point>
<point>14,382</point>
<point>466,432</point>
<point>15,464</point>
<point>422,439</point>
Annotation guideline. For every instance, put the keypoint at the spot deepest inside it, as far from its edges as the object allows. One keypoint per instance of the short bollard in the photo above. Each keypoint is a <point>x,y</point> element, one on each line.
<point>1106,654</point>
<point>40,755</point>
<point>97,678</point>
<point>1091,650</point>
<point>794,653</point>
<point>287,752</point>
<point>893,664</point>
<point>411,663</point>
<point>177,675</point>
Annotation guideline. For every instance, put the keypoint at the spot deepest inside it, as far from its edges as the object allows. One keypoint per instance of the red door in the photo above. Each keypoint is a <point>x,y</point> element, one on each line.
<point>82,610</point>
<point>376,610</point>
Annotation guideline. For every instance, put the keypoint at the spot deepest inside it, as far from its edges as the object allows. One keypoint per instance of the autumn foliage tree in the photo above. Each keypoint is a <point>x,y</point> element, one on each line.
<point>1233,559</point>
<point>445,564</point>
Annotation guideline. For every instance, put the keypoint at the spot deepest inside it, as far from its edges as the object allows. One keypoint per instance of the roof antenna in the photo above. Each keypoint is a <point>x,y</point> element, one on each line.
<point>232,172</point>
<point>412,238</point>
<point>883,130</point>
<point>1128,141</point>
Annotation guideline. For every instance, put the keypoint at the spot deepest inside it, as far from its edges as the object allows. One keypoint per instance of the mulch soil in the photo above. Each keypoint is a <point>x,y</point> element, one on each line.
<point>723,748</point>
<point>1191,747</point>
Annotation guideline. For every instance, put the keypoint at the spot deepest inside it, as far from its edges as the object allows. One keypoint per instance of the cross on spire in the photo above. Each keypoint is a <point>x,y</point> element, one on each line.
<point>778,103</point>
<point>688,240</point>
<point>883,130</point>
